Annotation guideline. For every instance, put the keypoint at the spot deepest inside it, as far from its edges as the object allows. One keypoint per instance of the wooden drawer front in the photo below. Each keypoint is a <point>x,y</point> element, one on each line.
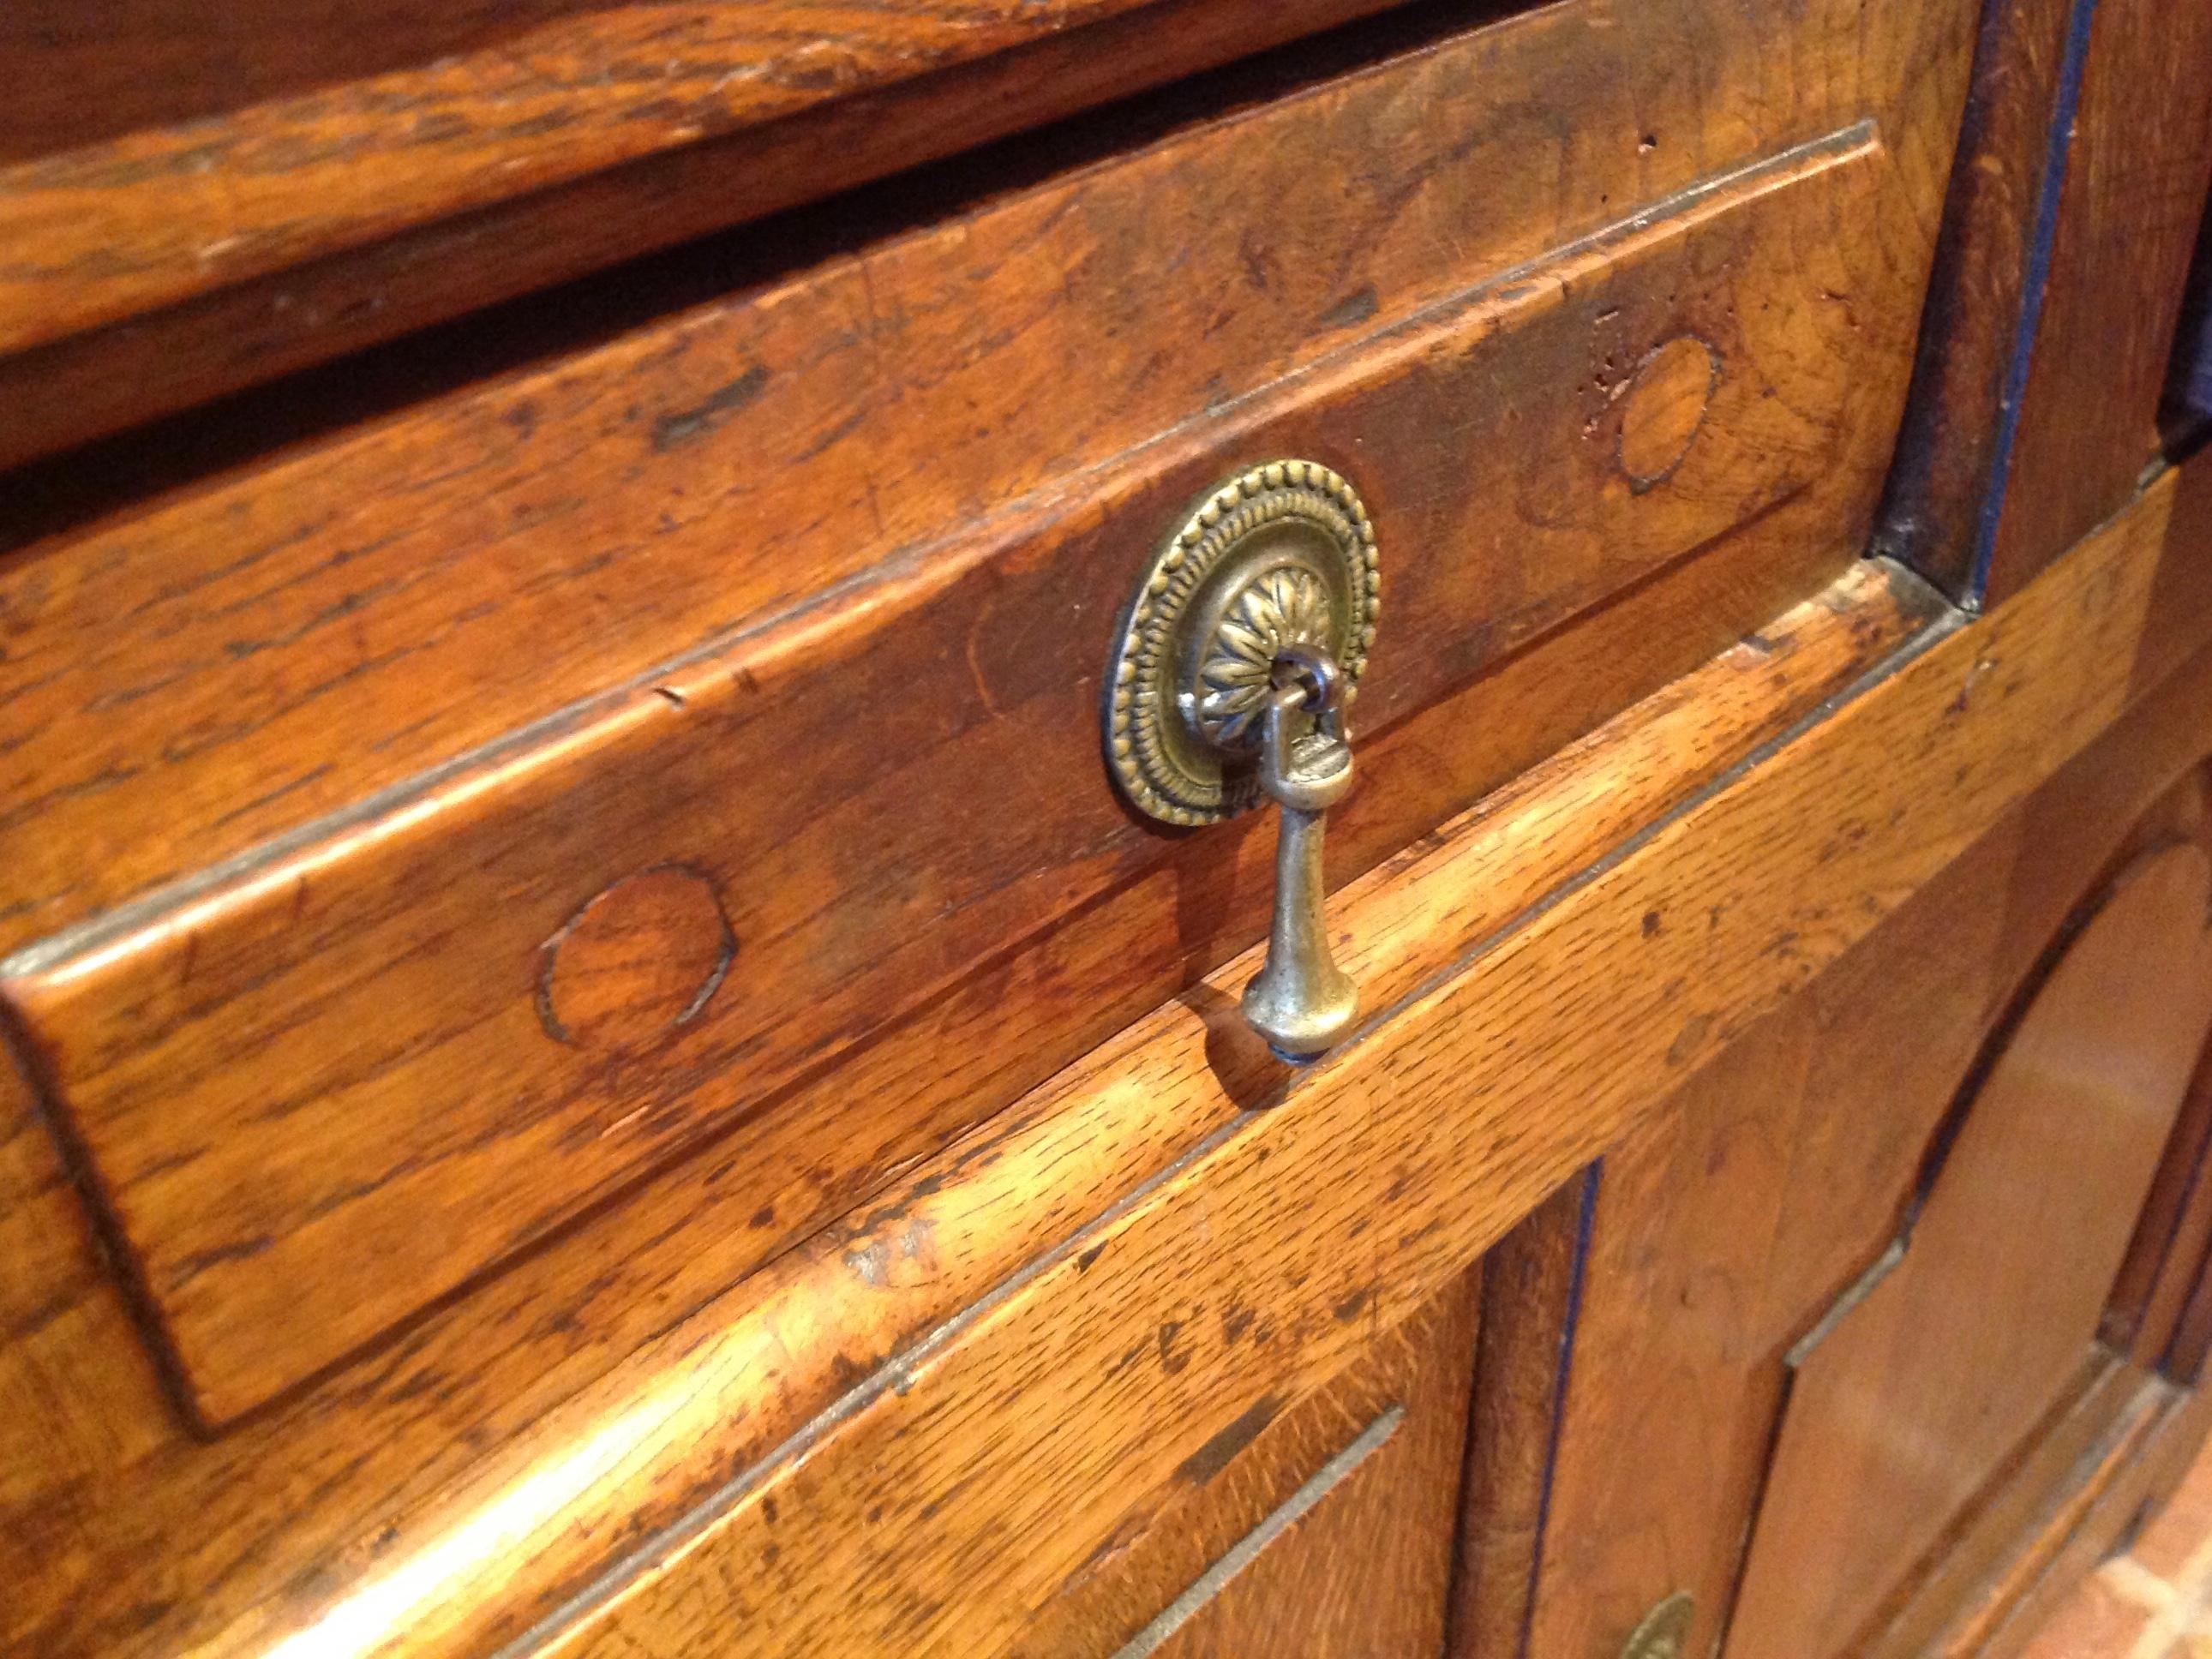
<point>874,525</point>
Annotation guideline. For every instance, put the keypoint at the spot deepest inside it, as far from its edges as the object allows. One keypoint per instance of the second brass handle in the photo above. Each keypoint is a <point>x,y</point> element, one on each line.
<point>1240,648</point>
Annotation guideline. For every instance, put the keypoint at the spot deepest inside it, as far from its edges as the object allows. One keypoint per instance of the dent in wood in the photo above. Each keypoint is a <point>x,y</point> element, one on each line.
<point>1665,408</point>
<point>638,961</point>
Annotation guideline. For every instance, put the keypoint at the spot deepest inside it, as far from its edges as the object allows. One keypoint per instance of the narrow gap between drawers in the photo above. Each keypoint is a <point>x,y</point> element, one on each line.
<point>51,495</point>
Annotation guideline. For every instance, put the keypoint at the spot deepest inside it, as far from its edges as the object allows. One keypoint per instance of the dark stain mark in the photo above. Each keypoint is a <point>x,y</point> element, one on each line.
<point>1651,924</point>
<point>1688,1039</point>
<point>1236,1320</point>
<point>1171,1360</point>
<point>1130,1356</point>
<point>671,693</point>
<point>764,1216</point>
<point>1350,1308</point>
<point>1217,1453</point>
<point>1083,1261</point>
<point>1354,307</point>
<point>767,1509</point>
<point>673,431</point>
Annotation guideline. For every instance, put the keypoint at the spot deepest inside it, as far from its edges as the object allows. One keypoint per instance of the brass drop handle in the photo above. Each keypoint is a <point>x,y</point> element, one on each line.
<point>1300,1000</point>
<point>1238,654</point>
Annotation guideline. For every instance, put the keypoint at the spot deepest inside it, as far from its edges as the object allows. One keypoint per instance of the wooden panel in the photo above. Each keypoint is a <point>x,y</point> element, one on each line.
<point>1664,1437</point>
<point>2138,168</point>
<point>350,1047</point>
<point>429,584</point>
<point>61,1422</point>
<point>1531,1294</point>
<point>2035,1512</point>
<point>473,1480</point>
<point>2140,1473</point>
<point>292,1520</point>
<point>149,217</point>
<point>1321,1527</point>
<point>1431,1136</point>
<point>1773,1178</point>
<point>1968,1342</point>
<point>2166,1253</point>
<point>1954,432</point>
<point>1781,1172</point>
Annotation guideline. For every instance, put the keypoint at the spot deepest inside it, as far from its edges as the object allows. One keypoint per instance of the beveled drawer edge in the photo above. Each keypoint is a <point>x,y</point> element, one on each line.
<point>693,1423</point>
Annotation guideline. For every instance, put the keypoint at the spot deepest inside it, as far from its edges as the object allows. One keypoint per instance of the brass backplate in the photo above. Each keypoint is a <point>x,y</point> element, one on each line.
<point>1281,555</point>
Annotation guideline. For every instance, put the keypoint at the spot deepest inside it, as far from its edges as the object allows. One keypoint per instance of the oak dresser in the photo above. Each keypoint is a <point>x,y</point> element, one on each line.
<point>1099,827</point>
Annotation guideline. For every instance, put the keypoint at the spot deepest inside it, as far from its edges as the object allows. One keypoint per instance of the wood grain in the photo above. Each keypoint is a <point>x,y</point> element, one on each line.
<point>2138,173</point>
<point>283,1523</point>
<point>1360,1571</point>
<point>1773,1178</point>
<point>2167,1251</point>
<point>251,1158</point>
<point>2032,1512</point>
<point>157,210</point>
<point>1663,1436</point>
<point>2174,1236</point>
<point>1665,407</point>
<point>1970,1339</point>
<point>218,339</point>
<point>366,1510</point>
<point>303,315</point>
<point>2107,1502</point>
<point>1532,1287</point>
<point>62,1423</point>
<point>377,1492</point>
<point>1779,1174</point>
<point>1440,1110</point>
<point>1302,1509</point>
<point>432,582</point>
<point>1954,437</point>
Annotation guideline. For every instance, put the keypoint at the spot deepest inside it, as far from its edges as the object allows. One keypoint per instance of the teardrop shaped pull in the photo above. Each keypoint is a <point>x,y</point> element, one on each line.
<point>1300,1000</point>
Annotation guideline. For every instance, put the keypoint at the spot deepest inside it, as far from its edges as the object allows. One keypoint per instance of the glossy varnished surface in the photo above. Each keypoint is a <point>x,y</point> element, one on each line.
<point>299,1518</point>
<point>366,1091</point>
<point>2010,724</point>
<point>601,1073</point>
